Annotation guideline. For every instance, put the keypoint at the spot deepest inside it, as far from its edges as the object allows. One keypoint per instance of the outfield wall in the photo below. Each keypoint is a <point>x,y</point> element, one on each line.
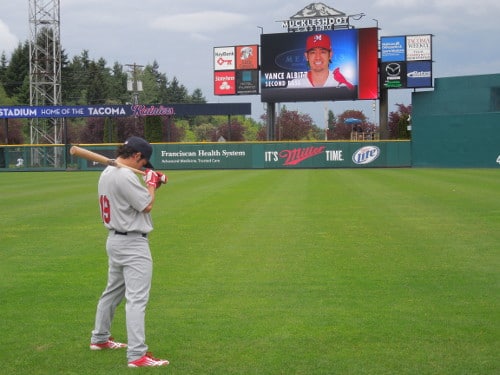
<point>273,155</point>
<point>223,155</point>
<point>457,124</point>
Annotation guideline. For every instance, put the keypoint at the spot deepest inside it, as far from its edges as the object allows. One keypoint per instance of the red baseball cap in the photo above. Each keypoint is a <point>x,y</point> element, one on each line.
<point>318,41</point>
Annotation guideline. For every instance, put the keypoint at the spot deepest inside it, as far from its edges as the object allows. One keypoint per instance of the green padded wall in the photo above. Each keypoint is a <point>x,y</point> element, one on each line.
<point>457,124</point>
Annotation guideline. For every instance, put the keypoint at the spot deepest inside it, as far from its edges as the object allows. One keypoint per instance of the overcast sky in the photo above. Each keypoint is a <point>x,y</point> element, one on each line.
<point>181,36</point>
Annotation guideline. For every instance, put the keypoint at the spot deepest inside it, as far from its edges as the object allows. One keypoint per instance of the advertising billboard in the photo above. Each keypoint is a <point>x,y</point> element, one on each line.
<point>225,83</point>
<point>247,57</point>
<point>418,48</point>
<point>419,74</point>
<point>236,70</point>
<point>393,48</point>
<point>393,75</point>
<point>406,61</point>
<point>316,66</point>
<point>224,58</point>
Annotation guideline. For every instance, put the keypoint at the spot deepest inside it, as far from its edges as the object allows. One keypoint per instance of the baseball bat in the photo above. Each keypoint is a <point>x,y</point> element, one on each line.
<point>101,159</point>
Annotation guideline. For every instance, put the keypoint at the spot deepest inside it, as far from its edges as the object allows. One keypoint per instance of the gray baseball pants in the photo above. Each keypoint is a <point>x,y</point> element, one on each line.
<point>130,269</point>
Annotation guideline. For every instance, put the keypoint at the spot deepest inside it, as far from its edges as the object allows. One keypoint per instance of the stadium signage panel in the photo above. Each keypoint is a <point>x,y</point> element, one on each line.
<point>298,155</point>
<point>236,70</point>
<point>273,155</point>
<point>314,24</point>
<point>225,83</point>
<point>85,111</point>
<point>418,47</point>
<point>316,17</point>
<point>393,48</point>
<point>406,61</point>
<point>365,155</point>
<point>65,111</point>
<point>393,75</point>
<point>247,81</point>
<point>224,58</point>
<point>419,74</point>
<point>125,110</point>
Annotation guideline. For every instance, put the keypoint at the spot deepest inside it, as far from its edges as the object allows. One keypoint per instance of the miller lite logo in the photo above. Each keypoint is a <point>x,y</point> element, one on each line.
<point>366,155</point>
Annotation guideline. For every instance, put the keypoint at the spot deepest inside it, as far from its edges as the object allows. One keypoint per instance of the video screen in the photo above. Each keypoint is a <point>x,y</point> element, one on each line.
<point>319,66</point>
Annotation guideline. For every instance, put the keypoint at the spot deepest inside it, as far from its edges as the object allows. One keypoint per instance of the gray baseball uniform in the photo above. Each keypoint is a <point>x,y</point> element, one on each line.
<point>122,199</point>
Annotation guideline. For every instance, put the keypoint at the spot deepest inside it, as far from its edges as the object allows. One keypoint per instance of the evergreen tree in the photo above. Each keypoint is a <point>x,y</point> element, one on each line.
<point>176,92</point>
<point>98,82</point>
<point>17,74</point>
<point>151,83</point>
<point>117,93</point>
<point>75,80</point>
<point>197,97</point>
<point>3,69</point>
<point>332,123</point>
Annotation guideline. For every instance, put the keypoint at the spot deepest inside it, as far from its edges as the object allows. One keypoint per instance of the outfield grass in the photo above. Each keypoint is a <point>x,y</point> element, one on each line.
<point>341,271</point>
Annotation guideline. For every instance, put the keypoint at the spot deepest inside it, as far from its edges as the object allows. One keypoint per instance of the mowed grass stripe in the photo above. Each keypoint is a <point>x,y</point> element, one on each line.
<point>266,272</point>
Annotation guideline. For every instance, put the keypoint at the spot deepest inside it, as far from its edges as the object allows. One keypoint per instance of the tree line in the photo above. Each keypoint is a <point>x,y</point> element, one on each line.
<point>85,81</point>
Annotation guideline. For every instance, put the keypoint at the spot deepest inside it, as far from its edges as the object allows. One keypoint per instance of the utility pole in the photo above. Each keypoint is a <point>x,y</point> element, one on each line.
<point>134,84</point>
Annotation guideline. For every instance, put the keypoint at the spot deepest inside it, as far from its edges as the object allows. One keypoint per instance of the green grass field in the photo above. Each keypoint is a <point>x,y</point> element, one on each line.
<point>340,271</point>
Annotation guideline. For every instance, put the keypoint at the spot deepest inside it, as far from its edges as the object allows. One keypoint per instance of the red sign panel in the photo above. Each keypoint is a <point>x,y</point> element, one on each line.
<point>247,57</point>
<point>225,83</point>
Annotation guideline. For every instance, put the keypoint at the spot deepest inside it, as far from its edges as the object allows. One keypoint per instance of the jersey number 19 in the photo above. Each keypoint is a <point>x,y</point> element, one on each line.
<point>105,209</point>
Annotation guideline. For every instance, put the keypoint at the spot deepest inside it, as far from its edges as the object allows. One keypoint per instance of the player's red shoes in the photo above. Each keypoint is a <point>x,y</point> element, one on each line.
<point>110,344</point>
<point>148,361</point>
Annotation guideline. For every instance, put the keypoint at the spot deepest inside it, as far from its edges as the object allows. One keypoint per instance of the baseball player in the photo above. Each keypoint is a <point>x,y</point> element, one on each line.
<point>125,205</point>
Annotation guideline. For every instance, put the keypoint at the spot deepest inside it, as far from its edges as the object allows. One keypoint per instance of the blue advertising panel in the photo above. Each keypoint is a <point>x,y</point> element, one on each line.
<point>64,111</point>
<point>393,48</point>
<point>419,74</point>
<point>139,110</point>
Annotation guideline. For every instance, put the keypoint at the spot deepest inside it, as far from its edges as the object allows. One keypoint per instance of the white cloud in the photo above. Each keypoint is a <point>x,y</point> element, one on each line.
<point>8,41</point>
<point>199,22</point>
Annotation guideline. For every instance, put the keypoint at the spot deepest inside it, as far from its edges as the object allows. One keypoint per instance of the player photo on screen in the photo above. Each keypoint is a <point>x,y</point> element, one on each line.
<point>315,66</point>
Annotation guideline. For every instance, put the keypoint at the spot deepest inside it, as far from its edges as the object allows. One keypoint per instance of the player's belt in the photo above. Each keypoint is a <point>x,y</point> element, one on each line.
<point>145,235</point>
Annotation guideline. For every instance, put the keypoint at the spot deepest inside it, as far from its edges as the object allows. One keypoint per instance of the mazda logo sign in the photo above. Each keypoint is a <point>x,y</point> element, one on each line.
<point>393,69</point>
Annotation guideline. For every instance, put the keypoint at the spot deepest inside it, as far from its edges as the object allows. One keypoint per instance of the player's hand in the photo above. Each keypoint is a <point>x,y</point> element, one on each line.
<point>162,179</point>
<point>151,178</point>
